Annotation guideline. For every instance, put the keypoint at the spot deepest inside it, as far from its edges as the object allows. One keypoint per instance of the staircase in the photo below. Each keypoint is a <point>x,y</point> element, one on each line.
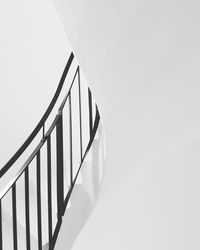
<point>55,173</point>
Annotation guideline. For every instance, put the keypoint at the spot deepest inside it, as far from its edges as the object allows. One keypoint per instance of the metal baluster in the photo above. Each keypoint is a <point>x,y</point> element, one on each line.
<point>80,113</point>
<point>71,144</point>
<point>90,111</point>
<point>60,174</point>
<point>27,210</point>
<point>39,217</point>
<point>14,215</point>
<point>43,130</point>
<point>1,238</point>
<point>49,189</point>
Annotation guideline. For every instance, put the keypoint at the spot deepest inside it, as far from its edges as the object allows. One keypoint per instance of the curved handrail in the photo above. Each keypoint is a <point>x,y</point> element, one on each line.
<point>21,170</point>
<point>92,136</point>
<point>66,200</point>
<point>41,123</point>
<point>62,197</point>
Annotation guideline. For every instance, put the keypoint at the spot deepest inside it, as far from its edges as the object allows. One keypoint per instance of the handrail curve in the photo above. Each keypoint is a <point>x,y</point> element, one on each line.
<point>61,202</point>
<point>41,123</point>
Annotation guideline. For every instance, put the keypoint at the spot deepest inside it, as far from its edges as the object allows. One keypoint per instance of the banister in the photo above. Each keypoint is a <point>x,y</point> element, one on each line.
<point>20,151</point>
<point>62,197</point>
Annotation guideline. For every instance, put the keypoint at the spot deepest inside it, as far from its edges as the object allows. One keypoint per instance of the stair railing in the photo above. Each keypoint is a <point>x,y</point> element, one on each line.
<point>23,173</point>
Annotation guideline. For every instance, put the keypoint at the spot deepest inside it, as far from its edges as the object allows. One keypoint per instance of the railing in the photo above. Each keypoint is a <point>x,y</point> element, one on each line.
<point>57,178</point>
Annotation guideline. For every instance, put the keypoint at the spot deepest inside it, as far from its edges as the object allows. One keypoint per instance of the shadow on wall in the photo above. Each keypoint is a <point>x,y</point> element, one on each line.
<point>85,195</point>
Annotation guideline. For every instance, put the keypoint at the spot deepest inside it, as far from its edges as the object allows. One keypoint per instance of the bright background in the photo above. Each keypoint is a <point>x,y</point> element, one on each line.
<point>142,59</point>
<point>33,54</point>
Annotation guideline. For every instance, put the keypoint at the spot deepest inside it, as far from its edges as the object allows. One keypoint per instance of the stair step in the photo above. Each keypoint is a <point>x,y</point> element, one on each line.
<point>91,170</point>
<point>7,228</point>
<point>45,247</point>
<point>20,199</point>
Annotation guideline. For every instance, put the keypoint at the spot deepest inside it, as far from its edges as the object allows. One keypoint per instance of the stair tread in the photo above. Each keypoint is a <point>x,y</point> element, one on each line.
<point>8,237</point>
<point>7,206</point>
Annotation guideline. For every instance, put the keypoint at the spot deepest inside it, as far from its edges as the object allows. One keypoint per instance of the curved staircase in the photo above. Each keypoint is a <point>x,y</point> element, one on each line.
<point>50,185</point>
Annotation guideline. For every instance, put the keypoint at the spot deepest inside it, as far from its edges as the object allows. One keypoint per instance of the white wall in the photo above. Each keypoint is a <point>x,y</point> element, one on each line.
<point>33,54</point>
<point>142,59</point>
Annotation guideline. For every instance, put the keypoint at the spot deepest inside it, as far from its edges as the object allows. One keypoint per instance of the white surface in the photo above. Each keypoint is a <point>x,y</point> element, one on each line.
<point>84,195</point>
<point>33,54</point>
<point>155,206</point>
<point>142,60</point>
<point>21,233</point>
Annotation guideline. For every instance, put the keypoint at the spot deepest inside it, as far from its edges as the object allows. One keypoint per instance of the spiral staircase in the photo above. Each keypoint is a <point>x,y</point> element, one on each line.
<point>55,173</point>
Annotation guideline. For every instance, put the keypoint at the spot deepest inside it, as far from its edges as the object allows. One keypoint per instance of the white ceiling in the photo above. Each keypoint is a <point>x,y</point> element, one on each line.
<point>142,59</point>
<point>33,53</point>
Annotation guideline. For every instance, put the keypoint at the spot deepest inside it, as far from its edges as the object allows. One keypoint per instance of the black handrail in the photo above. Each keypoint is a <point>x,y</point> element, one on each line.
<point>66,200</point>
<point>62,198</point>
<point>41,123</point>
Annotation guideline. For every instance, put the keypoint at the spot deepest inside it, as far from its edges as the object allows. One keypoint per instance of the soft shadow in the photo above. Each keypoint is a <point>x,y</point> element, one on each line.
<point>84,195</point>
